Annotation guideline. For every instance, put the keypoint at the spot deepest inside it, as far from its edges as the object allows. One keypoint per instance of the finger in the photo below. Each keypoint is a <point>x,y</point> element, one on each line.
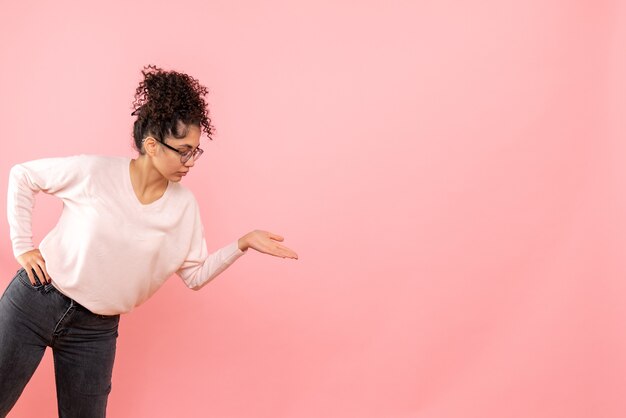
<point>276,237</point>
<point>45,271</point>
<point>41,269</point>
<point>286,252</point>
<point>31,276</point>
<point>42,274</point>
<point>36,274</point>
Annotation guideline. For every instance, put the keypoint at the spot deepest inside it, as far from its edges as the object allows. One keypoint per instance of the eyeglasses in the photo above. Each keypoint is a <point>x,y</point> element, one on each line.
<point>184,155</point>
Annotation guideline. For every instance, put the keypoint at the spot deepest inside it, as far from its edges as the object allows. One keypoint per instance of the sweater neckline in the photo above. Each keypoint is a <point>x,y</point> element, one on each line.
<point>129,188</point>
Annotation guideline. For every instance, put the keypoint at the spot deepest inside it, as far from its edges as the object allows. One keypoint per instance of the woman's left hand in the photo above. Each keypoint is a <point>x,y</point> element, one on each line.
<point>266,242</point>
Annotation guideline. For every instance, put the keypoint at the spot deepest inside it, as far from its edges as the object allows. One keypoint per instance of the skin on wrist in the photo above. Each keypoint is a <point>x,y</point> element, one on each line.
<point>243,245</point>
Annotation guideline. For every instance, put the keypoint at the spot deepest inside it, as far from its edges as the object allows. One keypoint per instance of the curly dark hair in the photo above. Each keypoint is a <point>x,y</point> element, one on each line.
<point>166,102</point>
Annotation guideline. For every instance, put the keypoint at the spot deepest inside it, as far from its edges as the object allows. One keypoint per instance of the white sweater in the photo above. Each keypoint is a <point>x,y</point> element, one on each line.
<point>108,251</point>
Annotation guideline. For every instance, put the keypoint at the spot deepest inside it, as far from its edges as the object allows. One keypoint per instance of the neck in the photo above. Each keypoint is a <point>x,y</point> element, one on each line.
<point>147,182</point>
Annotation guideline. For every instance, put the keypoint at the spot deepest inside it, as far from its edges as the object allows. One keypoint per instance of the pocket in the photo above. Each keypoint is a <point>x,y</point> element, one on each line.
<point>22,277</point>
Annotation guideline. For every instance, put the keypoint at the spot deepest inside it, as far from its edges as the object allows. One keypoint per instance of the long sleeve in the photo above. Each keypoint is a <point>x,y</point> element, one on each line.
<point>200,267</point>
<point>108,251</point>
<point>49,175</point>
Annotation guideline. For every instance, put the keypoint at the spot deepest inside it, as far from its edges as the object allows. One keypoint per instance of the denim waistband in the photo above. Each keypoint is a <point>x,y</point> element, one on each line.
<point>48,287</point>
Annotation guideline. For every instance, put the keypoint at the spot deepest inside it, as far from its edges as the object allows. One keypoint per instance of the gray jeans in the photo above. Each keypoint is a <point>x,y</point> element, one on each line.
<point>83,346</point>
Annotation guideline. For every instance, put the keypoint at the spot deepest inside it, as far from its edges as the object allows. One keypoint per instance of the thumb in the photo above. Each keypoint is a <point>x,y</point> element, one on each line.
<point>276,237</point>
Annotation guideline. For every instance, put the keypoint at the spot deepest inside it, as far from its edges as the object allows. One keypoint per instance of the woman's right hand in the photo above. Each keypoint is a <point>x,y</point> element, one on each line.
<point>33,260</point>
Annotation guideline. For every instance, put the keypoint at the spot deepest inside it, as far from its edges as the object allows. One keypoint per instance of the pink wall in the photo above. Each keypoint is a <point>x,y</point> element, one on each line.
<point>451,175</point>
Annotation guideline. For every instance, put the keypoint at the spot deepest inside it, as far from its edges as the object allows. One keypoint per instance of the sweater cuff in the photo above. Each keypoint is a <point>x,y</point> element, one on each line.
<point>233,252</point>
<point>19,249</point>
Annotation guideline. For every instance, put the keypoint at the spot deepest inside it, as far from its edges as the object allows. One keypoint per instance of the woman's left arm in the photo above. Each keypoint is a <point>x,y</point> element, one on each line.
<point>200,267</point>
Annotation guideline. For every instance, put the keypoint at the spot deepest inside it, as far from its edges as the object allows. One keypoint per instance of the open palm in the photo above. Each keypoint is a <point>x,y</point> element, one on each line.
<point>266,242</point>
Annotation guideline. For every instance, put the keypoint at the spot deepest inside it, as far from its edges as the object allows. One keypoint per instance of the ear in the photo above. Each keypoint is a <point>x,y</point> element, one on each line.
<point>150,146</point>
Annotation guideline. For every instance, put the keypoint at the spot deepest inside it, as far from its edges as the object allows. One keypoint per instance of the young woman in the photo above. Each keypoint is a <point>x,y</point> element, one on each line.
<point>126,226</point>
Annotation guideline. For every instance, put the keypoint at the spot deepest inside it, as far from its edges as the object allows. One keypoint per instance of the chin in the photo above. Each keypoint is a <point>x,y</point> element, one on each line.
<point>175,178</point>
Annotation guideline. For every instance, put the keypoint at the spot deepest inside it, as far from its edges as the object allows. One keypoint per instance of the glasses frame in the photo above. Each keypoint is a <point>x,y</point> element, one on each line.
<point>184,156</point>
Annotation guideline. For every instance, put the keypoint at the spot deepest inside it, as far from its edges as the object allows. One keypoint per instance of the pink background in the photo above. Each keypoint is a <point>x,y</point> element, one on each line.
<point>450,173</point>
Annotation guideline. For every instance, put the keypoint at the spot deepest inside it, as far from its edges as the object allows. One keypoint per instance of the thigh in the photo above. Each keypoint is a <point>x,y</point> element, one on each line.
<point>84,354</point>
<point>22,344</point>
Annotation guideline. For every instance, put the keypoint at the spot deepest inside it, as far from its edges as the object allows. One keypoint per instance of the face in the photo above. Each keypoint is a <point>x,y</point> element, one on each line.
<point>167,161</point>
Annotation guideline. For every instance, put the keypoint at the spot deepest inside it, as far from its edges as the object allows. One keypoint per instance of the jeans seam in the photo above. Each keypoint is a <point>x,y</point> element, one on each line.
<point>63,316</point>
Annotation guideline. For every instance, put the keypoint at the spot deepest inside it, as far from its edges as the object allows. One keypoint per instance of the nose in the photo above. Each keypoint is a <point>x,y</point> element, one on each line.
<point>189,163</point>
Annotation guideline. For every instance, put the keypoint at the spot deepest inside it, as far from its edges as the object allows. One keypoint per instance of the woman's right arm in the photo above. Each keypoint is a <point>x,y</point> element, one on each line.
<point>50,175</point>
